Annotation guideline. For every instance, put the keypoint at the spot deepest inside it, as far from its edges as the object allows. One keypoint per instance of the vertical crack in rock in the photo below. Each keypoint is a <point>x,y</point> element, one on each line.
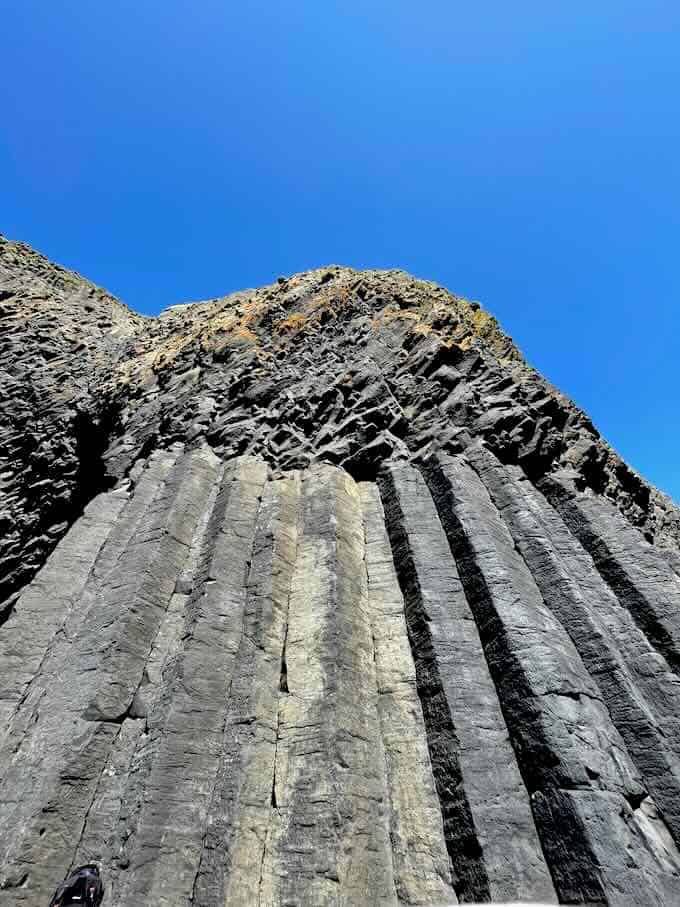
<point>58,793</point>
<point>641,693</point>
<point>189,724</point>
<point>147,479</point>
<point>45,605</point>
<point>32,664</point>
<point>638,573</point>
<point>290,527</point>
<point>470,878</point>
<point>155,557</point>
<point>585,792</point>
<point>96,840</point>
<point>240,808</point>
<point>331,841</point>
<point>61,680</point>
<point>99,839</point>
<point>152,697</point>
<point>377,691</point>
<point>488,823</point>
<point>234,688</point>
<point>129,762</point>
<point>419,854</point>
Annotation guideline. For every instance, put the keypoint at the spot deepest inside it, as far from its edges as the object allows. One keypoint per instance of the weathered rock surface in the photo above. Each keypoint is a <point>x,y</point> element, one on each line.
<point>319,595</point>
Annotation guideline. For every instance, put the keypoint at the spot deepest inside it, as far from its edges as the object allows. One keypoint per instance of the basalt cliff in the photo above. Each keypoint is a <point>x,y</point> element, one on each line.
<point>318,594</point>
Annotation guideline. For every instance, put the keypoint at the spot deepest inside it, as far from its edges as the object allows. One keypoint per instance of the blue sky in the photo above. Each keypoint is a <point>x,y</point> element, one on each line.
<point>524,154</point>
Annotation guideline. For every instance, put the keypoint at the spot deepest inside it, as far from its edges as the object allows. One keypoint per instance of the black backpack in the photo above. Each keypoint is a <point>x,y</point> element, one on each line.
<point>83,886</point>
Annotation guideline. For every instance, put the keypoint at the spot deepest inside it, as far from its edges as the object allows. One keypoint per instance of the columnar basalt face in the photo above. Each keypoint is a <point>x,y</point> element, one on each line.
<point>319,595</point>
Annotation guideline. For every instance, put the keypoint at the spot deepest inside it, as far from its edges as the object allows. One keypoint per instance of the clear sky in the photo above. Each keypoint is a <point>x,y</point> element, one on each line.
<point>525,154</point>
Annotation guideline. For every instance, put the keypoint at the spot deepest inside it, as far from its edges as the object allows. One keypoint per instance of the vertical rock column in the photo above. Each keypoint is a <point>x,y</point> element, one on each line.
<point>421,862</point>
<point>330,838</point>
<point>106,829</point>
<point>139,593</point>
<point>187,726</point>
<point>46,603</point>
<point>641,693</point>
<point>489,827</point>
<point>59,742</point>
<point>585,791</point>
<point>640,574</point>
<point>243,808</point>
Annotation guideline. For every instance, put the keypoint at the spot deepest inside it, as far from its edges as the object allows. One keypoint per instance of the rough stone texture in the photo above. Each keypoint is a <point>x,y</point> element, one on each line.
<point>349,367</point>
<point>318,594</point>
<point>583,785</point>
<point>490,830</point>
<point>60,338</point>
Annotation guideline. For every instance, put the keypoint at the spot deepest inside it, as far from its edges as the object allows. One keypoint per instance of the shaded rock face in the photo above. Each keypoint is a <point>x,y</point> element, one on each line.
<point>319,595</point>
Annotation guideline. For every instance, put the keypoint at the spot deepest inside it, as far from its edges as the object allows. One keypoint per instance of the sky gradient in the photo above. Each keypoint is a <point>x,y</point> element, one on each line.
<point>523,154</point>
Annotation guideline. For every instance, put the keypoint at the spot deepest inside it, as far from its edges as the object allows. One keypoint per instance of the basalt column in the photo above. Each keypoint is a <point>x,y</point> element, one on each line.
<point>319,595</point>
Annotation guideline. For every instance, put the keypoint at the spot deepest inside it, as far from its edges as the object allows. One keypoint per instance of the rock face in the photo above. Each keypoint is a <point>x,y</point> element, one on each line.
<point>319,595</point>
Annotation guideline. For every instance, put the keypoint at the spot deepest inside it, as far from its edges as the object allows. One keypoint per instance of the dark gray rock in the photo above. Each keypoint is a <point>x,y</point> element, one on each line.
<point>317,594</point>
<point>591,808</point>
<point>642,694</point>
<point>489,828</point>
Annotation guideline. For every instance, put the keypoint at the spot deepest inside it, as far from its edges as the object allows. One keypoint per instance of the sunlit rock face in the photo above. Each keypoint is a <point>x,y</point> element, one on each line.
<point>318,594</point>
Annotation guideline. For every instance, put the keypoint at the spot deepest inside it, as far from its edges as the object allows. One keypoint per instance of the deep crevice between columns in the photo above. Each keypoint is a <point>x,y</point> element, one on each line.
<point>626,713</point>
<point>613,574</point>
<point>379,694</point>
<point>470,878</point>
<point>197,562</point>
<point>574,869</point>
<point>283,682</point>
<point>91,434</point>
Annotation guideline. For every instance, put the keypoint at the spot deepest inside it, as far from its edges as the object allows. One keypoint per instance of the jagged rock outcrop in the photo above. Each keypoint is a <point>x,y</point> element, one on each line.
<point>318,594</point>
